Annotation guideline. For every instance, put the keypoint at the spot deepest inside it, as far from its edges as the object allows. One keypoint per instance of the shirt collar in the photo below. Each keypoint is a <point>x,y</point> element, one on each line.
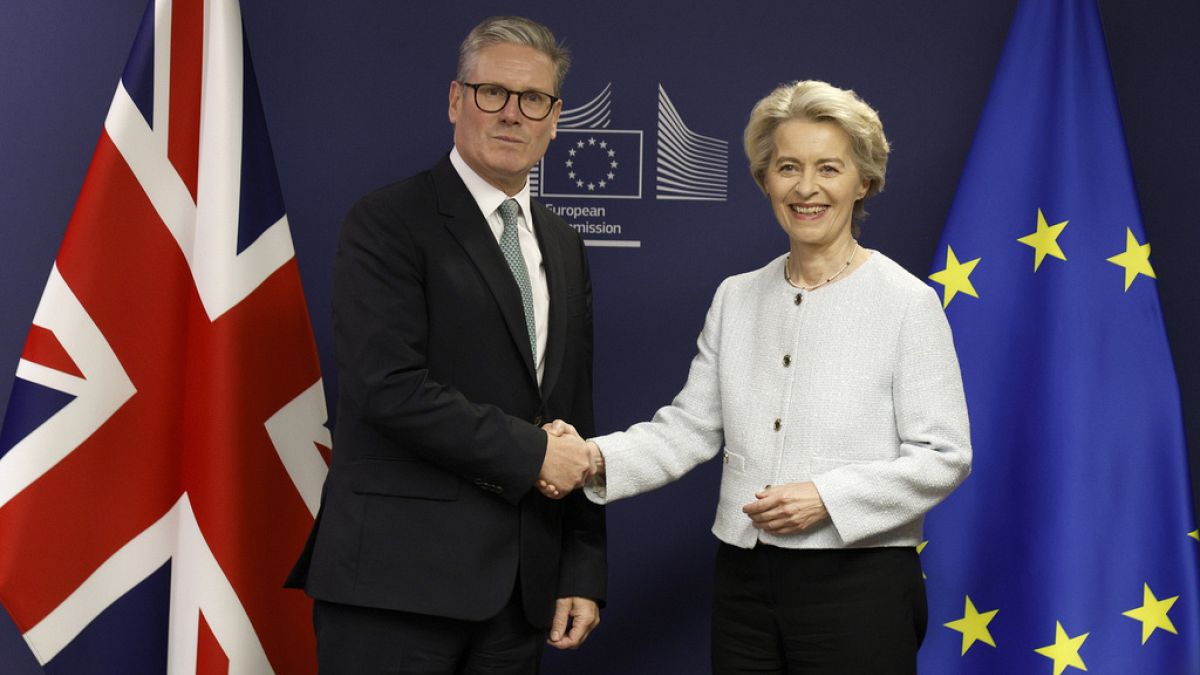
<point>488,196</point>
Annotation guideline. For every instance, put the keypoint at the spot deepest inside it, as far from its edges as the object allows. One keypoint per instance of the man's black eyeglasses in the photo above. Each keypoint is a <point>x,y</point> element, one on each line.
<point>491,98</point>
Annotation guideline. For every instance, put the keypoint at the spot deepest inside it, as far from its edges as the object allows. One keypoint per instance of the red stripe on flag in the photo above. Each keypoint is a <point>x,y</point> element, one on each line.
<point>187,70</point>
<point>42,348</point>
<point>210,658</point>
<point>257,358</point>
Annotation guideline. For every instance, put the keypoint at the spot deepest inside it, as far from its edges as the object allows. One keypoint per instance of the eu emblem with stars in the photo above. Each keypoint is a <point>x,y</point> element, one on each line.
<point>593,163</point>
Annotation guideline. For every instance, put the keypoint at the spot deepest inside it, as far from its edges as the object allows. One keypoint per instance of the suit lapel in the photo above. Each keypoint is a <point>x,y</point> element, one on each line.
<point>470,228</point>
<point>552,258</point>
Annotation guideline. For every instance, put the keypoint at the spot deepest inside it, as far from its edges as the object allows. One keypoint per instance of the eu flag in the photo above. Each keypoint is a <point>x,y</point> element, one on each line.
<point>1073,545</point>
<point>593,163</point>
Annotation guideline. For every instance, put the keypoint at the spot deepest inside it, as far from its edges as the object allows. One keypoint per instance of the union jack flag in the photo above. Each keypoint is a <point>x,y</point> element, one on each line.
<point>164,448</point>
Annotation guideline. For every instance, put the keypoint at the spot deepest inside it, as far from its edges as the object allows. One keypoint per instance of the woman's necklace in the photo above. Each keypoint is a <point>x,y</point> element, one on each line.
<point>788,278</point>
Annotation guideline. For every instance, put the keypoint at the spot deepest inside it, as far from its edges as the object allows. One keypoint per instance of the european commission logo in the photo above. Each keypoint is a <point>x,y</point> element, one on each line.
<point>588,160</point>
<point>690,167</point>
<point>596,163</point>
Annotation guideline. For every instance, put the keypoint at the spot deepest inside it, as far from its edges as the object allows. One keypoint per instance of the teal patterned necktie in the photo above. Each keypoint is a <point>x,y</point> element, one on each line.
<point>510,245</point>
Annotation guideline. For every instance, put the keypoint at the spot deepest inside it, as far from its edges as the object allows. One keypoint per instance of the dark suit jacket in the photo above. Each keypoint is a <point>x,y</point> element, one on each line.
<point>429,505</point>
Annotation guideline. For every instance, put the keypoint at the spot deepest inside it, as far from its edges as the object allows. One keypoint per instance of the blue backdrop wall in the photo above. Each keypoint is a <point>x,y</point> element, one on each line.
<point>355,97</point>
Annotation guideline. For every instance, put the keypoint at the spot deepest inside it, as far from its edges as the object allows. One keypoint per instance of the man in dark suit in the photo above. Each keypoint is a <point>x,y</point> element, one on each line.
<point>462,324</point>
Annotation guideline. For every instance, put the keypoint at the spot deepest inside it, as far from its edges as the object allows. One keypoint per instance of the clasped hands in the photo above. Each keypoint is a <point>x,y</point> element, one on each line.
<point>570,461</point>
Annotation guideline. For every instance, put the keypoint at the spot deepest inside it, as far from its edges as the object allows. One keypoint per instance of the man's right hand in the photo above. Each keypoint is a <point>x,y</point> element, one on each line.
<point>567,464</point>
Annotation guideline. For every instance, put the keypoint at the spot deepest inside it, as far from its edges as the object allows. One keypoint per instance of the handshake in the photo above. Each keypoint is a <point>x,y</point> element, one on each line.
<point>571,462</point>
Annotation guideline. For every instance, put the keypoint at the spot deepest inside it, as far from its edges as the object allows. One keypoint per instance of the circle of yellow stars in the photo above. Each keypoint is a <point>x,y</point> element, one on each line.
<point>955,278</point>
<point>592,182</point>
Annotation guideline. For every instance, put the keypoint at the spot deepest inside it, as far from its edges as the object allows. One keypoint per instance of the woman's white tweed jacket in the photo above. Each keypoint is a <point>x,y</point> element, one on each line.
<point>855,387</point>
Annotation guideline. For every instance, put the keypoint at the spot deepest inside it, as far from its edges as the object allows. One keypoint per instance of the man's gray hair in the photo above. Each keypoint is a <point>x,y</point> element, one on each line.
<point>513,30</point>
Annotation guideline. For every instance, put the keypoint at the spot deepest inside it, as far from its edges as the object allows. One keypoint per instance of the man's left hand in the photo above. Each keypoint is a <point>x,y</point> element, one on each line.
<point>574,619</point>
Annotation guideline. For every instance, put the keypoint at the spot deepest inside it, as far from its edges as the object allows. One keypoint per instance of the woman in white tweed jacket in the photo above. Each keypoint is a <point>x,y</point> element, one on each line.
<point>828,378</point>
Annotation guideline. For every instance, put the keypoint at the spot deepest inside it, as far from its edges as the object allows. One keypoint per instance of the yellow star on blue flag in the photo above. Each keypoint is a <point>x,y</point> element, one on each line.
<point>1044,240</point>
<point>955,277</point>
<point>1135,259</point>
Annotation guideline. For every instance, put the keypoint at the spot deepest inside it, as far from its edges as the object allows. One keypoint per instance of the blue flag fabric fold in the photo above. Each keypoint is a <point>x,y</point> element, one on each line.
<point>1073,544</point>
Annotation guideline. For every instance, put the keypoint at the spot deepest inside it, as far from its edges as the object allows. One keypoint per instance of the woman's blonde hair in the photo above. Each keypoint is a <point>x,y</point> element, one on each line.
<point>817,101</point>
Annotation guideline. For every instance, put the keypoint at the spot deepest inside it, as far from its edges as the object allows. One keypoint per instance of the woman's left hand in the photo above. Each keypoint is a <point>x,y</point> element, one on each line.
<point>786,509</point>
